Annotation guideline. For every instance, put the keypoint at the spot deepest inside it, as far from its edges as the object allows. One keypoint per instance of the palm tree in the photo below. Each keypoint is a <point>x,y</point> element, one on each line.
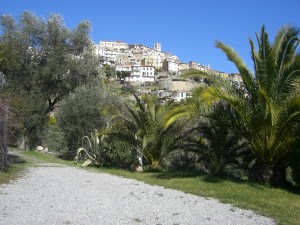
<point>215,142</point>
<point>147,132</point>
<point>267,108</point>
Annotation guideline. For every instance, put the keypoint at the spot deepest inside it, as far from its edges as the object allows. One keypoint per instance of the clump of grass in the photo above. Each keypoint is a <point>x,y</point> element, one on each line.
<point>16,168</point>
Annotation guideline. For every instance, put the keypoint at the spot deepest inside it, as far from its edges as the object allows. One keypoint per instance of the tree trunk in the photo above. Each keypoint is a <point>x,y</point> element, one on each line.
<point>264,173</point>
<point>260,172</point>
<point>3,135</point>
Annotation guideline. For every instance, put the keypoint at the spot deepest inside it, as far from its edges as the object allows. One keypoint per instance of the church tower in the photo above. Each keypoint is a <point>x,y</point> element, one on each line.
<point>157,46</point>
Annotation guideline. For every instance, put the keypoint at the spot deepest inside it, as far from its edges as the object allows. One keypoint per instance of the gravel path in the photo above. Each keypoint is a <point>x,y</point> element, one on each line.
<point>56,194</point>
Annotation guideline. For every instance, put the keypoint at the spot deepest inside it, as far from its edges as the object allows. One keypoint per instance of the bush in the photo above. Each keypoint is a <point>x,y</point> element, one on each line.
<point>54,139</point>
<point>118,154</point>
<point>90,107</point>
<point>181,160</point>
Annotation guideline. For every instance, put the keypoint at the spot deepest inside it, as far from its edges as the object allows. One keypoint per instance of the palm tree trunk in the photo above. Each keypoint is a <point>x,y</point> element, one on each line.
<point>263,173</point>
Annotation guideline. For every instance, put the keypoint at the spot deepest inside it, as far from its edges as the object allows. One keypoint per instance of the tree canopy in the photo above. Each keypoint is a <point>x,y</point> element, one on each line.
<point>44,57</point>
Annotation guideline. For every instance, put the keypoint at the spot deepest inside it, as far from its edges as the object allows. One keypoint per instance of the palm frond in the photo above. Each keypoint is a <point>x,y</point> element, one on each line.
<point>285,45</point>
<point>245,73</point>
<point>191,108</point>
<point>288,80</point>
<point>268,108</point>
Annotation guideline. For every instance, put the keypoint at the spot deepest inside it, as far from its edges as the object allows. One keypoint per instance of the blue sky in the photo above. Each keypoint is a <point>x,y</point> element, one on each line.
<point>186,28</point>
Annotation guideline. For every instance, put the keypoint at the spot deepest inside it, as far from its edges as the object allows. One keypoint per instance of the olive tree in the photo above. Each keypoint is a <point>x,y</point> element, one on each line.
<point>45,60</point>
<point>89,108</point>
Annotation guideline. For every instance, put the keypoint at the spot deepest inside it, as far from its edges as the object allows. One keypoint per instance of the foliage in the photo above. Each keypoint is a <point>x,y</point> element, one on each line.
<point>181,160</point>
<point>45,60</point>
<point>53,139</point>
<point>147,133</point>
<point>90,107</point>
<point>108,71</point>
<point>25,117</point>
<point>215,142</point>
<point>108,151</point>
<point>267,108</point>
<point>88,151</point>
<point>123,74</point>
<point>117,153</point>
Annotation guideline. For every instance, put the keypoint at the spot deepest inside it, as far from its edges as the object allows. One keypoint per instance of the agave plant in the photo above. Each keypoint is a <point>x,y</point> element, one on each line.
<point>88,153</point>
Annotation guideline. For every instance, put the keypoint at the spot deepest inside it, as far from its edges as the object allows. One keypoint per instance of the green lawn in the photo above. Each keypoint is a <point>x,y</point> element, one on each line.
<point>279,204</point>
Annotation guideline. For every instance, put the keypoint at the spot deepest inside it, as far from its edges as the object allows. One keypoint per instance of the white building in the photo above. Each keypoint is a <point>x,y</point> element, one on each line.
<point>126,68</point>
<point>170,66</point>
<point>181,95</point>
<point>114,45</point>
<point>179,89</point>
<point>139,73</point>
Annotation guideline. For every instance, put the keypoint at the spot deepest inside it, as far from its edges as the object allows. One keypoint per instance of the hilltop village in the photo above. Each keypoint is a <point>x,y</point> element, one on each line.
<point>140,65</point>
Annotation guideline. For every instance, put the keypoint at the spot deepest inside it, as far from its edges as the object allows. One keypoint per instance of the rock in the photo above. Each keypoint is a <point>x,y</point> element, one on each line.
<point>139,168</point>
<point>39,148</point>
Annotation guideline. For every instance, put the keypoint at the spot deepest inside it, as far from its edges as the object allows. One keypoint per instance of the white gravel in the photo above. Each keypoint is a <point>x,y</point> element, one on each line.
<point>56,194</point>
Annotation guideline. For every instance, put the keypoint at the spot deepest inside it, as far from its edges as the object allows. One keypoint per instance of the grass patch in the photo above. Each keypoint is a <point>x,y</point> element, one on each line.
<point>12,173</point>
<point>16,168</point>
<point>37,157</point>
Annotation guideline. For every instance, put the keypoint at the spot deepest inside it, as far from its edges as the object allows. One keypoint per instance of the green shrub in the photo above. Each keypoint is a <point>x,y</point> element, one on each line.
<point>118,154</point>
<point>54,139</point>
<point>90,107</point>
